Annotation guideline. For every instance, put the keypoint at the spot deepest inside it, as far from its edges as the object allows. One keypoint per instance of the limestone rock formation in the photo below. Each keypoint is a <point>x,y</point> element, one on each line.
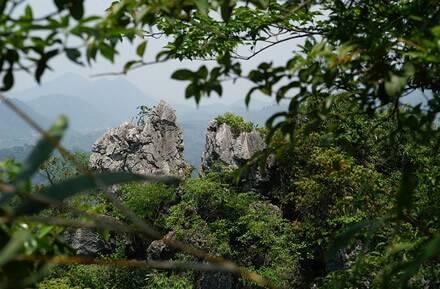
<point>158,249</point>
<point>86,242</point>
<point>215,280</point>
<point>224,148</point>
<point>156,148</point>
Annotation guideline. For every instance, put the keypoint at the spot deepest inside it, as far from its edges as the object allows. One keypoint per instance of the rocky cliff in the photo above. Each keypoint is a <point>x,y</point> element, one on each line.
<point>156,148</point>
<point>229,149</point>
<point>225,148</point>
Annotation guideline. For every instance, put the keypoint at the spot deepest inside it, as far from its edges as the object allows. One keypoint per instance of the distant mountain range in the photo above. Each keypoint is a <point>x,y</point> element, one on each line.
<point>93,106</point>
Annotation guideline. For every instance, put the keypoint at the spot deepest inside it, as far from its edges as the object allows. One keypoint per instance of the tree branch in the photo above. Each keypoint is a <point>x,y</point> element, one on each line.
<point>269,46</point>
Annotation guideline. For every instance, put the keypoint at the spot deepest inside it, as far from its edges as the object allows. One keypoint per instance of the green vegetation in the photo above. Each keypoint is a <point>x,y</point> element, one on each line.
<point>147,200</point>
<point>159,281</point>
<point>353,197</point>
<point>236,122</point>
<point>143,112</point>
<point>57,283</point>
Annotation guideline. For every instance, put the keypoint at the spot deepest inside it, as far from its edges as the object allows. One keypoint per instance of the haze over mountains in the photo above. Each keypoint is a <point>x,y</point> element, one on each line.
<point>94,105</point>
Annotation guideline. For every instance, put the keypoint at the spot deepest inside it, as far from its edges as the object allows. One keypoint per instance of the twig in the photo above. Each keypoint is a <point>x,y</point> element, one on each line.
<point>113,225</point>
<point>141,64</point>
<point>269,46</point>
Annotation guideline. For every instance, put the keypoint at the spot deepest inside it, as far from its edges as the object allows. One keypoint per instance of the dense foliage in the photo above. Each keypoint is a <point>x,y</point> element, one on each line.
<point>235,122</point>
<point>353,202</point>
<point>330,181</point>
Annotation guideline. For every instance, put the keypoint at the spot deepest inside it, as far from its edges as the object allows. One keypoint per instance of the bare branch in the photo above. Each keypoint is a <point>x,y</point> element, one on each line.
<point>139,65</point>
<point>269,46</point>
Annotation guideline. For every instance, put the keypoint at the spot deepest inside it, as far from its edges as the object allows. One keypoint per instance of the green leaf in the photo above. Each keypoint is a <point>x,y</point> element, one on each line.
<point>8,80</point>
<point>202,72</point>
<point>140,50</point>
<point>77,9</point>
<point>28,12</point>
<point>226,10</point>
<point>107,51</point>
<point>14,245</point>
<point>217,87</point>
<point>406,269</point>
<point>344,238</point>
<point>247,99</point>
<point>271,120</point>
<point>432,249</point>
<point>129,64</point>
<point>436,31</point>
<point>189,91</point>
<point>182,74</point>
<point>396,83</point>
<point>61,4</point>
<point>43,150</point>
<point>42,63</point>
<point>68,188</point>
<point>303,75</point>
<point>408,185</point>
<point>73,54</point>
<point>202,6</point>
<point>46,229</point>
<point>91,52</point>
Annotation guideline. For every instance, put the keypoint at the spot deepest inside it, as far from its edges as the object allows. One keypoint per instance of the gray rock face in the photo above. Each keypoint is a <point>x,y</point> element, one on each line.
<point>344,258</point>
<point>153,149</point>
<point>216,280</point>
<point>158,249</point>
<point>225,149</point>
<point>86,242</point>
<point>222,146</point>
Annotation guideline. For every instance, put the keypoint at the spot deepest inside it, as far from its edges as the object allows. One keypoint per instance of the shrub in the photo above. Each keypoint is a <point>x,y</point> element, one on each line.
<point>239,226</point>
<point>163,281</point>
<point>236,122</point>
<point>146,200</point>
<point>104,277</point>
<point>56,283</point>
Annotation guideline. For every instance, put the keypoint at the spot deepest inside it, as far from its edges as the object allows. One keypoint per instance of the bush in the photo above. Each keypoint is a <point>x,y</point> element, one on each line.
<point>56,283</point>
<point>163,281</point>
<point>236,122</point>
<point>147,200</point>
<point>103,277</point>
<point>239,226</point>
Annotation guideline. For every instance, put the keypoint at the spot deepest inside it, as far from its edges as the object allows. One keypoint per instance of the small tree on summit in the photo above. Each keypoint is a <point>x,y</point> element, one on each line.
<point>143,112</point>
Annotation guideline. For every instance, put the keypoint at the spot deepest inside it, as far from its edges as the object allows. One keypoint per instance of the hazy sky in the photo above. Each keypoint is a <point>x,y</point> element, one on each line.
<point>152,80</point>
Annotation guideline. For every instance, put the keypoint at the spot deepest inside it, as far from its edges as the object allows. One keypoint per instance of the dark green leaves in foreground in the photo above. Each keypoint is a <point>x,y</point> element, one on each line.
<point>403,271</point>
<point>43,149</point>
<point>68,188</point>
<point>408,185</point>
<point>347,235</point>
<point>202,82</point>
<point>14,245</point>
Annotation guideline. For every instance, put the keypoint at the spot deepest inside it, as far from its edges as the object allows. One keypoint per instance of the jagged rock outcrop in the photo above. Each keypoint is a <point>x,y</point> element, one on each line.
<point>155,148</point>
<point>215,280</point>
<point>224,148</point>
<point>86,242</point>
<point>344,258</point>
<point>159,250</point>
